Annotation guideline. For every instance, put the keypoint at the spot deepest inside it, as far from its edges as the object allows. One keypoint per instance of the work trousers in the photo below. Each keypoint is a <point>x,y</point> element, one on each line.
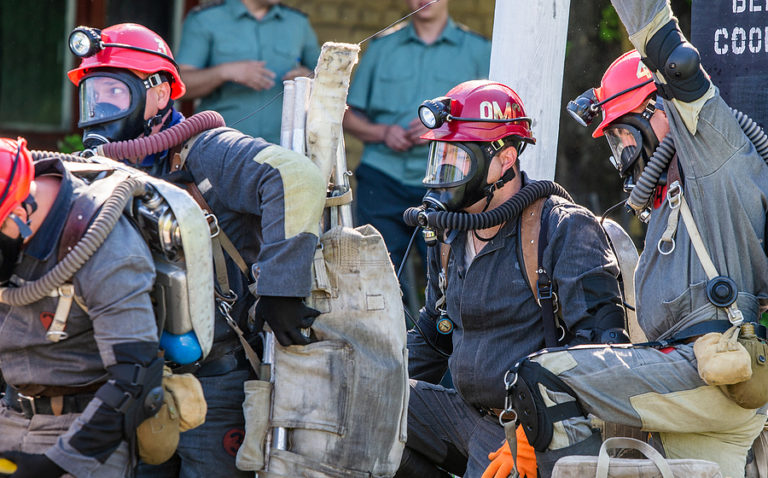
<point>210,449</point>
<point>446,434</point>
<point>657,391</point>
<point>39,433</point>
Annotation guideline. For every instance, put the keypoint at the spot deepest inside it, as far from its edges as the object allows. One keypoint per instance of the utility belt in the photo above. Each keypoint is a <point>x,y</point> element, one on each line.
<point>690,334</point>
<point>74,402</point>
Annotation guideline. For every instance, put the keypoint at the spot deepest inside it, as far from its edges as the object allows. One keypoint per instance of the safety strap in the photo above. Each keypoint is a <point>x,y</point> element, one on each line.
<point>680,207</point>
<point>341,200</point>
<point>250,354</point>
<point>66,294</point>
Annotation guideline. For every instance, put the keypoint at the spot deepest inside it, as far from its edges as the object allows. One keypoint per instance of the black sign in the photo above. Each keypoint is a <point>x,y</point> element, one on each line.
<point>732,37</point>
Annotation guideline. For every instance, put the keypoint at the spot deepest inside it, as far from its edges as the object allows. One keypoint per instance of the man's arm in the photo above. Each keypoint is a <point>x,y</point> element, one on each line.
<point>203,81</point>
<point>114,285</point>
<point>585,271</point>
<point>280,188</point>
<point>394,136</point>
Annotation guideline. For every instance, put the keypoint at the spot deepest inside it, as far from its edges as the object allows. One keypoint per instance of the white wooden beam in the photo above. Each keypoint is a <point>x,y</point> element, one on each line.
<point>528,54</point>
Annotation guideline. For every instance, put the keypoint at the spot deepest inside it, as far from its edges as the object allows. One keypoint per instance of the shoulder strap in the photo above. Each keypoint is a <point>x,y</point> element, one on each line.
<point>532,248</point>
<point>84,209</point>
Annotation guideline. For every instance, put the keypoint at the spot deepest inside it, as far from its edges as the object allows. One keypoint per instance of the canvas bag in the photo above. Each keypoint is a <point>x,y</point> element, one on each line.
<point>603,466</point>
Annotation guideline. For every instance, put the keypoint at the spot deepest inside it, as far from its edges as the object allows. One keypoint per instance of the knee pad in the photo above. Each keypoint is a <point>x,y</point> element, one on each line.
<point>671,54</point>
<point>535,416</point>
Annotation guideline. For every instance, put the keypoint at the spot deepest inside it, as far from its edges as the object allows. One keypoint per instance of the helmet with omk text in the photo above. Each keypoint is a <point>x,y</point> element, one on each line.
<point>468,127</point>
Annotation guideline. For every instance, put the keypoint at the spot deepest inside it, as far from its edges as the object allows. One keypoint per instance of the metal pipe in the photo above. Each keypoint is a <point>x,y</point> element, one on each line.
<point>286,125</point>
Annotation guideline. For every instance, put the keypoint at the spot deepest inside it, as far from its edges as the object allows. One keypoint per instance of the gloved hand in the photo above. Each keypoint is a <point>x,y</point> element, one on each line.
<point>501,460</point>
<point>286,317</point>
<point>33,465</point>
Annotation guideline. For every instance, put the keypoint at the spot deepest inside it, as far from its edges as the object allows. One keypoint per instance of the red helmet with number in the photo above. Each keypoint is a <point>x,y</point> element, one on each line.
<point>158,56</point>
<point>16,174</point>
<point>482,99</point>
<point>625,72</point>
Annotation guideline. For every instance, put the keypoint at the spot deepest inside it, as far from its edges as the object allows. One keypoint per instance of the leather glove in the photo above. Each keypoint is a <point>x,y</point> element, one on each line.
<point>501,460</point>
<point>33,465</point>
<point>286,317</point>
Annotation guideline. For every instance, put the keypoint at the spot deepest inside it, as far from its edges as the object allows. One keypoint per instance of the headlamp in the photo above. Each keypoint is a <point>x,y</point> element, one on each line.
<point>433,113</point>
<point>584,108</point>
<point>85,41</point>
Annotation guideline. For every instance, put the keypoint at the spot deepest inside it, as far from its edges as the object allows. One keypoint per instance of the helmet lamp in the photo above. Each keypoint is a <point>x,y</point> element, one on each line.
<point>584,108</point>
<point>433,113</point>
<point>85,41</point>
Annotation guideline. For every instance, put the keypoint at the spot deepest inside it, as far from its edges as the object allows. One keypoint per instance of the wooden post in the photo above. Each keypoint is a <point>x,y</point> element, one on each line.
<point>527,54</point>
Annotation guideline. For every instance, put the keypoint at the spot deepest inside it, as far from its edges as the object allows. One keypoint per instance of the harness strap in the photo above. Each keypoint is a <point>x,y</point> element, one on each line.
<point>219,239</point>
<point>66,294</point>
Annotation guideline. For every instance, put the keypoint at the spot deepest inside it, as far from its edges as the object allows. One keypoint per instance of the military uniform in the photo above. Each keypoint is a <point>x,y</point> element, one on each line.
<point>396,73</point>
<point>224,32</point>
<point>110,323</point>
<point>497,320</point>
<point>268,200</point>
<point>725,183</point>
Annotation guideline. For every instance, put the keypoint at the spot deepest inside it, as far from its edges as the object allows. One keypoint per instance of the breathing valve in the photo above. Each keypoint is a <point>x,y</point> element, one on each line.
<point>722,291</point>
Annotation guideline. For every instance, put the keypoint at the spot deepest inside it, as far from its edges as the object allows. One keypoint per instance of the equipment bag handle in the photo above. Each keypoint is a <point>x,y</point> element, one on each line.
<point>603,460</point>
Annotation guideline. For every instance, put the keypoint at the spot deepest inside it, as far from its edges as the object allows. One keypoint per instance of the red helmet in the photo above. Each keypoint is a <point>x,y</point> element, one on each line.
<point>625,72</point>
<point>16,174</point>
<point>115,56</point>
<point>487,100</point>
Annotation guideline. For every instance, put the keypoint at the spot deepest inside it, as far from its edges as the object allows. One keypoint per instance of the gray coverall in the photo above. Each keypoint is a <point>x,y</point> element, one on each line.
<point>497,321</point>
<point>726,186</point>
<point>115,324</point>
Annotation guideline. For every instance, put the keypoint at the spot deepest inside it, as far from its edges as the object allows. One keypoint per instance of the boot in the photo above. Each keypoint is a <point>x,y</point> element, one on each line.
<point>546,461</point>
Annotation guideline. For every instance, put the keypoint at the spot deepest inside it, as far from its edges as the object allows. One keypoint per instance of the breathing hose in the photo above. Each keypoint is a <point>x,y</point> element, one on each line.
<point>463,221</point>
<point>660,158</point>
<point>649,178</point>
<point>90,242</point>
<point>176,134</point>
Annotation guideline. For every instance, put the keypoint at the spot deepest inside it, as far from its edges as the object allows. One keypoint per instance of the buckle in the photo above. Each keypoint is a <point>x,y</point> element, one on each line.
<point>213,224</point>
<point>27,404</point>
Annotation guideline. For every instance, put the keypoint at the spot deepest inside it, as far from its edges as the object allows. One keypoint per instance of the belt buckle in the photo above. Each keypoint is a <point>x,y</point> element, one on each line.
<point>30,410</point>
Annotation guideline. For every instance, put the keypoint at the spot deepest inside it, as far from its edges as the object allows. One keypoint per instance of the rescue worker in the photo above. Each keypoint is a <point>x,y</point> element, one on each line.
<point>703,270</point>
<point>266,199</point>
<point>72,405</point>
<point>487,315</point>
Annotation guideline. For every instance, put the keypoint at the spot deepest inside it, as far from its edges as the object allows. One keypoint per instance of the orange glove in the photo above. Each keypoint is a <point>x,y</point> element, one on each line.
<point>501,459</point>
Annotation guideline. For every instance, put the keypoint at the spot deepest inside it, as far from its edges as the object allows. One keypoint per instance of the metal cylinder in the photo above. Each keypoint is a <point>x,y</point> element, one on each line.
<point>286,125</point>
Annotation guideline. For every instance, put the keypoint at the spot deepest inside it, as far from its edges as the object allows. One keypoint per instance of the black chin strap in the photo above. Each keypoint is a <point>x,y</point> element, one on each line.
<point>158,118</point>
<point>488,191</point>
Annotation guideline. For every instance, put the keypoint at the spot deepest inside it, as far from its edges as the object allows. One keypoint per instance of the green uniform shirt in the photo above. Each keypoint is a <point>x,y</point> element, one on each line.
<point>227,32</point>
<point>398,72</point>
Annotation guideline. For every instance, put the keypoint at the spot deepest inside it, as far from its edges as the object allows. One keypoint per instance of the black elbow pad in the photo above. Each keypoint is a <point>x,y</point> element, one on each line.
<point>679,62</point>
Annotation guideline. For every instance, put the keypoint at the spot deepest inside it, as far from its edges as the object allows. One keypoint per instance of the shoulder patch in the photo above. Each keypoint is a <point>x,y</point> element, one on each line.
<point>466,29</point>
<point>393,29</point>
<point>206,5</point>
<point>293,9</point>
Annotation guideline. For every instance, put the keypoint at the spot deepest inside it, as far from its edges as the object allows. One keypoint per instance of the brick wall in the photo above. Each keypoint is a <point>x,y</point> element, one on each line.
<point>353,20</point>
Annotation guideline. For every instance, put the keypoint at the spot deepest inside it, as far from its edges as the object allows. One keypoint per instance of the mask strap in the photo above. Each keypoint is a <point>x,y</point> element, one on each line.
<point>24,228</point>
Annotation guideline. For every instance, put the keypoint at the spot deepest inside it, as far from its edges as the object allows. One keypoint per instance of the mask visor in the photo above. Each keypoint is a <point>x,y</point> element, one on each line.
<point>103,99</point>
<point>625,142</point>
<point>449,164</point>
